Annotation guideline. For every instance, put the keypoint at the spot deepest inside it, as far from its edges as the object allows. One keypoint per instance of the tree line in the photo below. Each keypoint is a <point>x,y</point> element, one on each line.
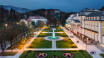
<point>13,33</point>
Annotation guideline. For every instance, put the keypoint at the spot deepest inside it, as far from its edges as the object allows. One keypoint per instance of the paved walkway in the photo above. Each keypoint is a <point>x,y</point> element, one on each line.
<point>48,49</point>
<point>82,45</point>
<point>52,32</point>
<point>53,44</point>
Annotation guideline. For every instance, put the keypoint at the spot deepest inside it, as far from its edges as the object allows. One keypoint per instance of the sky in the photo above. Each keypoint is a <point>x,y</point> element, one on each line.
<point>64,5</point>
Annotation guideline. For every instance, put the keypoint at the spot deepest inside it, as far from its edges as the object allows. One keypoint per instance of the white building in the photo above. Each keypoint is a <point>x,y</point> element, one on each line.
<point>37,18</point>
<point>24,21</point>
<point>73,19</point>
<point>91,25</point>
<point>95,23</point>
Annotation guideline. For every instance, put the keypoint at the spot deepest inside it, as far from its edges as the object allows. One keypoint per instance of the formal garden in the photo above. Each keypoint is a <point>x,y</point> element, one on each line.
<point>40,41</point>
<point>65,42</point>
<point>58,54</point>
<point>57,39</point>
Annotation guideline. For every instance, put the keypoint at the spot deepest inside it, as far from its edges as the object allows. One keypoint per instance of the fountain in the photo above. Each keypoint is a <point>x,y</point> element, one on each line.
<point>53,35</point>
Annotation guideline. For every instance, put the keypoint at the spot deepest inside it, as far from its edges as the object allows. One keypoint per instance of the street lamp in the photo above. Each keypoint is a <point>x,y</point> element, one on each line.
<point>17,23</point>
<point>6,25</point>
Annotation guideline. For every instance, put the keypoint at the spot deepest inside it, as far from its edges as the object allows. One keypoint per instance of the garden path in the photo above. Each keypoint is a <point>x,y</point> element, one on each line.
<point>53,44</point>
<point>52,32</point>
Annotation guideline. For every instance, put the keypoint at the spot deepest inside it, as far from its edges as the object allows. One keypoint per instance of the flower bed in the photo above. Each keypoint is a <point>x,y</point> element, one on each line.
<point>58,54</point>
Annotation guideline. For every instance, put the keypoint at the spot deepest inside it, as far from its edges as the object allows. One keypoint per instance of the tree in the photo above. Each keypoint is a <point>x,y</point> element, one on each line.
<point>40,23</point>
<point>13,16</point>
<point>3,40</point>
<point>102,9</point>
<point>33,24</point>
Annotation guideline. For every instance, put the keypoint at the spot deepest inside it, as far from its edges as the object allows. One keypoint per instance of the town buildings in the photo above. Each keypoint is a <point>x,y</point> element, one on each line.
<point>90,28</point>
<point>35,19</point>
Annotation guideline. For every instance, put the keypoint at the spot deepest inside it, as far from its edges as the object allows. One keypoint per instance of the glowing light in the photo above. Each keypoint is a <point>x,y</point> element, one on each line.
<point>6,25</point>
<point>17,23</point>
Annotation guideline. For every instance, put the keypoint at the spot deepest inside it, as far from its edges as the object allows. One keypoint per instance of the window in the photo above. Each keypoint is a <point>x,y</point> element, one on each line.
<point>98,18</point>
<point>94,18</point>
<point>102,17</point>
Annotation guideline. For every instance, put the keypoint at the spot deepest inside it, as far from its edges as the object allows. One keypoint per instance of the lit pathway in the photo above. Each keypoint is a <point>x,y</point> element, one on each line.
<point>53,44</point>
<point>48,49</point>
<point>83,46</point>
<point>23,49</point>
<point>52,32</point>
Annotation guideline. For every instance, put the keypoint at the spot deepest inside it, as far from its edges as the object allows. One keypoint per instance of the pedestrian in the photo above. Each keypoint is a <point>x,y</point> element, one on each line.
<point>93,52</point>
<point>77,41</point>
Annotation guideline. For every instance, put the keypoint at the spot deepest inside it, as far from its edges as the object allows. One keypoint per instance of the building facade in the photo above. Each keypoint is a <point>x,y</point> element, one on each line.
<point>37,18</point>
<point>90,28</point>
<point>94,22</point>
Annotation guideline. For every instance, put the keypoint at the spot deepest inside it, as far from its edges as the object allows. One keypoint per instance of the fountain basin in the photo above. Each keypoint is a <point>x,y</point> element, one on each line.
<point>53,37</point>
<point>57,38</point>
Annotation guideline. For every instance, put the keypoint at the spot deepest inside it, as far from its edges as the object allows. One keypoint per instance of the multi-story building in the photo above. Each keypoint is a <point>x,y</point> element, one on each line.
<point>35,19</point>
<point>91,28</point>
<point>94,22</point>
<point>73,19</point>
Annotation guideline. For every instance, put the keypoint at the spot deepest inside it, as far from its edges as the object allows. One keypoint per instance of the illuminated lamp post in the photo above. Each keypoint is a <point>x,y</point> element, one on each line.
<point>6,25</point>
<point>17,23</point>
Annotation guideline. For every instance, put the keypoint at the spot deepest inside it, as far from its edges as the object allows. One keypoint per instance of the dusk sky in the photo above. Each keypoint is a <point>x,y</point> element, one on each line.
<point>64,5</point>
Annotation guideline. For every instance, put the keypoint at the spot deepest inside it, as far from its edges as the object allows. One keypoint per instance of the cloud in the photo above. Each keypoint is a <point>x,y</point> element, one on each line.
<point>68,5</point>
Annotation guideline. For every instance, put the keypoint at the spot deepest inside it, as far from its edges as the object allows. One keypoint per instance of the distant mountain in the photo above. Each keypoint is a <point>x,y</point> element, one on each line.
<point>21,10</point>
<point>102,9</point>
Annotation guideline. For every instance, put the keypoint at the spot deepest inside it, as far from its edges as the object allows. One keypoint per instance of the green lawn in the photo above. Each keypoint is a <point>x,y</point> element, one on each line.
<point>44,34</point>
<point>50,30</point>
<point>41,43</point>
<point>50,54</point>
<point>66,43</point>
<point>62,34</point>
<point>50,34</point>
<point>102,55</point>
<point>58,29</point>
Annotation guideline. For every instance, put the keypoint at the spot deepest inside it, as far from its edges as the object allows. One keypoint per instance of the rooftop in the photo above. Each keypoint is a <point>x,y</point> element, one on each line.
<point>99,13</point>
